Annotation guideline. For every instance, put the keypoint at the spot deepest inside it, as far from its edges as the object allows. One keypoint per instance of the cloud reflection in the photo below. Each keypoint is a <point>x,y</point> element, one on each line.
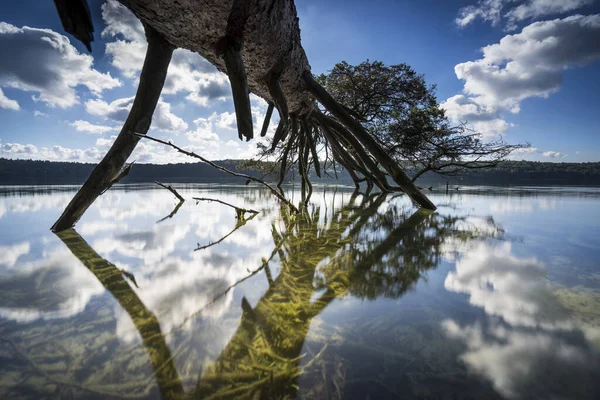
<point>528,346</point>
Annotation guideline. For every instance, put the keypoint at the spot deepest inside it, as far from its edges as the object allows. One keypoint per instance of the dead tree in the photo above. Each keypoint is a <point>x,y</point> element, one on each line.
<point>257,44</point>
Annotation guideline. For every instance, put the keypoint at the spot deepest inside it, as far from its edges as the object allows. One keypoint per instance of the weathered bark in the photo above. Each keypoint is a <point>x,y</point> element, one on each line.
<point>271,39</point>
<point>76,19</point>
<point>267,120</point>
<point>152,78</point>
<point>239,89</point>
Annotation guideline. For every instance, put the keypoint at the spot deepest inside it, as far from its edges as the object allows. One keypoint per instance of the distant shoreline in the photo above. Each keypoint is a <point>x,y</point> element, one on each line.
<point>507,173</point>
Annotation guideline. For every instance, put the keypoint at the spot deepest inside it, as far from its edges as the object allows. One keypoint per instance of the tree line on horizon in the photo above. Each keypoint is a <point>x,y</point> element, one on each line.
<point>37,172</point>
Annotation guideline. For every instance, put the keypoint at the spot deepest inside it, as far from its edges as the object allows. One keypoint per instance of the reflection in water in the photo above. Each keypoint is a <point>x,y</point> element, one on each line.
<point>183,333</point>
<point>529,346</point>
<point>144,320</point>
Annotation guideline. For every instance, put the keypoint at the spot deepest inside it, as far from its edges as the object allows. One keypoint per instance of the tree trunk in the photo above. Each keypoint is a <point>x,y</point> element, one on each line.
<point>152,79</point>
<point>270,38</point>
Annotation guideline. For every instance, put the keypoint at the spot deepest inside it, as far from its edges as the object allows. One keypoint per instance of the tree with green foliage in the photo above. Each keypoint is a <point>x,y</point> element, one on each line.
<point>401,111</point>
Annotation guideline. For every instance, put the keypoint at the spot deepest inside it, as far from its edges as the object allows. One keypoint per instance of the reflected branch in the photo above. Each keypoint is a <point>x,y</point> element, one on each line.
<point>241,221</point>
<point>165,372</point>
<point>177,207</point>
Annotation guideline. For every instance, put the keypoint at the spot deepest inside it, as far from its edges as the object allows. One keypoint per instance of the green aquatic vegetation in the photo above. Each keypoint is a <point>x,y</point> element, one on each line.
<point>583,305</point>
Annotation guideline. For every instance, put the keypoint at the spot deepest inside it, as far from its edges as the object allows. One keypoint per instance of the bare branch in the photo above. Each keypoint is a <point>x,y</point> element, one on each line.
<point>212,164</point>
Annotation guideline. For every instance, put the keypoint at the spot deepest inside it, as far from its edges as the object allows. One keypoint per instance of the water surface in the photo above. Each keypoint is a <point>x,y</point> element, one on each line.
<point>496,295</point>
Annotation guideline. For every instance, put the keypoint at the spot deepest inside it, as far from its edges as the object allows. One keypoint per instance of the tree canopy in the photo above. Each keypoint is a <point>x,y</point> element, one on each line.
<point>401,111</point>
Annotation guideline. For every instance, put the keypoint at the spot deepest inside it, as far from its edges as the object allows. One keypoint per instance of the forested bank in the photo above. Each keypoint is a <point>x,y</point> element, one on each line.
<point>31,172</point>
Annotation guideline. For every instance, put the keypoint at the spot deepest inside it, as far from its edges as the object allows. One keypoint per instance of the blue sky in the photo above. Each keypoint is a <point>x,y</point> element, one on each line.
<point>524,69</point>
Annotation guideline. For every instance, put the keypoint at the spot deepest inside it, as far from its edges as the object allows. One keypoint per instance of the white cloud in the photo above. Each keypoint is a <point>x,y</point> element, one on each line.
<point>145,152</point>
<point>37,113</point>
<point>526,150</point>
<point>188,71</point>
<point>493,11</point>
<point>204,131</point>
<point>520,66</point>
<point>118,110</point>
<point>10,254</point>
<point>539,8</point>
<point>45,62</point>
<point>85,126</point>
<point>7,103</point>
<point>530,63</point>
<point>54,153</point>
<point>487,10</point>
<point>554,154</point>
<point>481,118</point>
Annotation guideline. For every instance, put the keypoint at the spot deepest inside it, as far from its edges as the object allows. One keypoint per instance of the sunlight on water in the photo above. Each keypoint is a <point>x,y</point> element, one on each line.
<point>496,295</point>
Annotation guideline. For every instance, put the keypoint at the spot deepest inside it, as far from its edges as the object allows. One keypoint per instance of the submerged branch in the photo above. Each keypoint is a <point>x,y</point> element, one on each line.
<point>170,189</point>
<point>237,209</point>
<point>212,164</point>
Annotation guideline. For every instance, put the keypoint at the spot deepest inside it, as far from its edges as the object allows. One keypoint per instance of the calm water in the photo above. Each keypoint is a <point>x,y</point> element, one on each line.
<point>496,295</point>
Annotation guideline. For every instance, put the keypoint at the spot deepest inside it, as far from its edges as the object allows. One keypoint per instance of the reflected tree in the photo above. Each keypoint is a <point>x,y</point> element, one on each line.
<point>368,247</point>
<point>323,255</point>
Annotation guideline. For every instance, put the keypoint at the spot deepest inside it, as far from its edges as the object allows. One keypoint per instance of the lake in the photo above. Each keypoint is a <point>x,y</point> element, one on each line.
<point>496,295</point>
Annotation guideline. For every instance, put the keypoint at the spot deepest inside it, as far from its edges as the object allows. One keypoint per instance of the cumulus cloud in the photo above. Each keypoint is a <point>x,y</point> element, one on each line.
<point>554,154</point>
<point>204,131</point>
<point>207,131</point>
<point>188,71</point>
<point>118,110</point>
<point>520,66</point>
<point>7,103</point>
<point>85,126</point>
<point>530,63</point>
<point>493,11</point>
<point>54,153</point>
<point>45,62</point>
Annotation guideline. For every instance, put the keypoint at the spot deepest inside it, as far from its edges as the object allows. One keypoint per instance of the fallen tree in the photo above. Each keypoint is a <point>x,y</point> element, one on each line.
<point>257,44</point>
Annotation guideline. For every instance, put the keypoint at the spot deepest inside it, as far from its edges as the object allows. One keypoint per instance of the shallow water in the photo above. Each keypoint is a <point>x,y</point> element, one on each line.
<point>496,295</point>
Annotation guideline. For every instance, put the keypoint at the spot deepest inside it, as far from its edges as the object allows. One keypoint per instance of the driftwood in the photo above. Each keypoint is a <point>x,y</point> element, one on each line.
<point>257,44</point>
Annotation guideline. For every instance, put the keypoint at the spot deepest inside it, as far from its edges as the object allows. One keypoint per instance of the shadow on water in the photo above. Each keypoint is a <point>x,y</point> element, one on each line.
<point>365,248</point>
